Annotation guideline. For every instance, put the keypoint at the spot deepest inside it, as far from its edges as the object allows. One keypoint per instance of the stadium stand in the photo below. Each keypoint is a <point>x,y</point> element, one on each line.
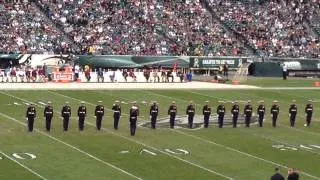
<point>143,28</point>
<point>25,30</point>
<point>275,28</point>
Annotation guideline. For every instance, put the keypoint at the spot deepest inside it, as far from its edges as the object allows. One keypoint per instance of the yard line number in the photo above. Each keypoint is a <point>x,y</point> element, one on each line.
<point>22,156</point>
<point>283,147</point>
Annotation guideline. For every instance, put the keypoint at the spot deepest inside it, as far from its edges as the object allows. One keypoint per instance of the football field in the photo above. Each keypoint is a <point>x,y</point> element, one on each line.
<point>180,153</point>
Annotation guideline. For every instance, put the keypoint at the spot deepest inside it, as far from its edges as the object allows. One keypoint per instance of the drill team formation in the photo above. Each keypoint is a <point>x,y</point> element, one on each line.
<point>99,112</point>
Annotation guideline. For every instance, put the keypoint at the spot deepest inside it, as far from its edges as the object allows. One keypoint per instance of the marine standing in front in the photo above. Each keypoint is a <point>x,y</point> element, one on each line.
<point>221,111</point>
<point>261,111</point>
<point>309,111</point>
<point>48,114</point>
<point>293,113</point>
<point>31,114</point>
<point>190,111</point>
<point>235,114</point>
<point>248,113</point>
<point>172,112</point>
<point>116,114</point>
<point>82,113</point>
<point>206,111</point>
<point>154,110</point>
<point>66,114</point>
<point>134,113</point>
<point>99,113</point>
<point>275,112</point>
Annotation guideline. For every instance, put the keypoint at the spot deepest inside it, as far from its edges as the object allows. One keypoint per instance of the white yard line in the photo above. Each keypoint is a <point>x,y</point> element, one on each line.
<point>131,139</point>
<point>22,165</point>
<point>69,145</point>
<point>210,142</point>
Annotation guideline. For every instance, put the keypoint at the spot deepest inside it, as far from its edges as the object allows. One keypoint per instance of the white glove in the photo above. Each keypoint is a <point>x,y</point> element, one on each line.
<point>26,119</point>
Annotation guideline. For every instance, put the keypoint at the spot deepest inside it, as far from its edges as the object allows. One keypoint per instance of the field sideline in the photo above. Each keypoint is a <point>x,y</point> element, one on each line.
<point>242,153</point>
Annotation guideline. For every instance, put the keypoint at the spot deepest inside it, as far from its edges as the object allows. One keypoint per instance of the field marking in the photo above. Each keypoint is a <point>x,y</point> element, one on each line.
<point>230,148</point>
<point>143,144</point>
<point>42,103</point>
<point>69,145</point>
<point>22,165</point>
<point>15,103</point>
<point>285,143</point>
<point>219,145</point>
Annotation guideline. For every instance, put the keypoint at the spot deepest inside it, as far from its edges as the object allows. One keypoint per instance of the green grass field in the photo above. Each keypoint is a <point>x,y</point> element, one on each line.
<point>241,153</point>
<point>278,82</point>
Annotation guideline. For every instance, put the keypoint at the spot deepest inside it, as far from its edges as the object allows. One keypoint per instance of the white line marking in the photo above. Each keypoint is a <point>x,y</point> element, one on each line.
<point>302,146</point>
<point>315,146</point>
<point>73,147</point>
<point>42,103</point>
<point>25,103</point>
<point>20,164</point>
<point>15,103</point>
<point>147,151</point>
<point>150,147</point>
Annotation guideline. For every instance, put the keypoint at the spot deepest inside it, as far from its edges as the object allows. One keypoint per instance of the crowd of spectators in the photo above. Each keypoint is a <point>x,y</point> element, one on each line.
<point>24,30</point>
<point>161,27</point>
<point>275,27</point>
<point>151,27</point>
